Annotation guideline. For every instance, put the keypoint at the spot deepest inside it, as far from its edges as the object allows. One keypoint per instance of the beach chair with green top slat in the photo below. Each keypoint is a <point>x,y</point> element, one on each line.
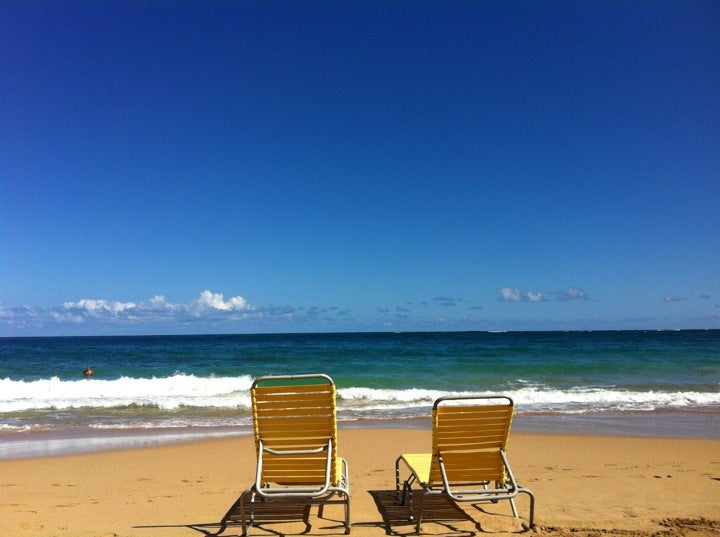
<point>468,462</point>
<point>295,428</point>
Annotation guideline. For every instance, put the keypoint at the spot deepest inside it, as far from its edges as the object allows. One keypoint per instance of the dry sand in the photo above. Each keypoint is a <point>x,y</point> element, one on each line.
<point>584,485</point>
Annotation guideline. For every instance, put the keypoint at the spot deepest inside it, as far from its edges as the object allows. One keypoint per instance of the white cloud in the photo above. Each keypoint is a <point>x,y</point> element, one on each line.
<point>208,306</point>
<point>94,306</point>
<point>572,293</point>
<point>217,301</point>
<point>67,317</point>
<point>510,294</point>
<point>158,302</point>
<point>673,298</point>
<point>513,294</point>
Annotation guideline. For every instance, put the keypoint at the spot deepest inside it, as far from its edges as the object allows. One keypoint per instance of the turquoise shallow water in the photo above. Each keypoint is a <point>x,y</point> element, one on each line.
<point>569,381</point>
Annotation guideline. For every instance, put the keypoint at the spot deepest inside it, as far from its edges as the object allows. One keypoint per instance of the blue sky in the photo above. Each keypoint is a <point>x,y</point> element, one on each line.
<point>204,167</point>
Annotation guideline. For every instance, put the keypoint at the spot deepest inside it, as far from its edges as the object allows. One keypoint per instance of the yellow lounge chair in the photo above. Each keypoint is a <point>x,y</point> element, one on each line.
<point>468,460</point>
<point>295,427</point>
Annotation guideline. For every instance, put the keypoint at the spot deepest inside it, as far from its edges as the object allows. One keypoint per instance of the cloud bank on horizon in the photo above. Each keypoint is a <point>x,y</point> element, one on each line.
<point>212,312</point>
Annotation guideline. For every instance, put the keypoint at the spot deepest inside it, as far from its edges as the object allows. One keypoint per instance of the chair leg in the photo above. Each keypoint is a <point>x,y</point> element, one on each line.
<point>244,521</point>
<point>347,514</point>
<point>514,509</point>
<point>418,525</point>
<point>397,483</point>
<point>531,518</point>
<point>407,496</point>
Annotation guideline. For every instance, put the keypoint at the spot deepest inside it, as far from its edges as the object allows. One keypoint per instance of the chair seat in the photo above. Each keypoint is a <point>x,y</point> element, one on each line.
<point>419,464</point>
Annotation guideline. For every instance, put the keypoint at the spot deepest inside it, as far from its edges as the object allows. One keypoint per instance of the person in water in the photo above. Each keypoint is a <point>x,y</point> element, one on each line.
<point>88,372</point>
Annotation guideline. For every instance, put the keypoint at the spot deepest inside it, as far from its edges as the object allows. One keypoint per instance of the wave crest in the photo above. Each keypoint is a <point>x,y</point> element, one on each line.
<point>167,393</point>
<point>181,391</point>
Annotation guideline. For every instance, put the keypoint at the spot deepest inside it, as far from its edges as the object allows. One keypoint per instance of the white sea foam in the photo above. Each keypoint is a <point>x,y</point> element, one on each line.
<point>7,427</point>
<point>181,390</point>
<point>537,399</point>
<point>166,393</point>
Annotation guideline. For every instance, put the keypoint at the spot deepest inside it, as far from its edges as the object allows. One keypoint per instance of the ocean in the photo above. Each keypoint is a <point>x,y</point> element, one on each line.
<point>158,389</point>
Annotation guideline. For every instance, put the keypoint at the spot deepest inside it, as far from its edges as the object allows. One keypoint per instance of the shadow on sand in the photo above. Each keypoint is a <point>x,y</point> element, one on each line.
<point>269,518</point>
<point>273,518</point>
<point>437,509</point>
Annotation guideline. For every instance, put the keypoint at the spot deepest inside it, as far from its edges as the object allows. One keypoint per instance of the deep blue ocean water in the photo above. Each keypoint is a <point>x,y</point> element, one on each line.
<point>201,383</point>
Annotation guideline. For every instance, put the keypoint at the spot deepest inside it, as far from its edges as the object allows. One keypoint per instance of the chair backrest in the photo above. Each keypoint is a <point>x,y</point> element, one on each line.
<point>295,413</point>
<point>469,433</point>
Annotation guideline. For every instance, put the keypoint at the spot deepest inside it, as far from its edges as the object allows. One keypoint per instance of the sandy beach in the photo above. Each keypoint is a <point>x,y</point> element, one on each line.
<point>585,485</point>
